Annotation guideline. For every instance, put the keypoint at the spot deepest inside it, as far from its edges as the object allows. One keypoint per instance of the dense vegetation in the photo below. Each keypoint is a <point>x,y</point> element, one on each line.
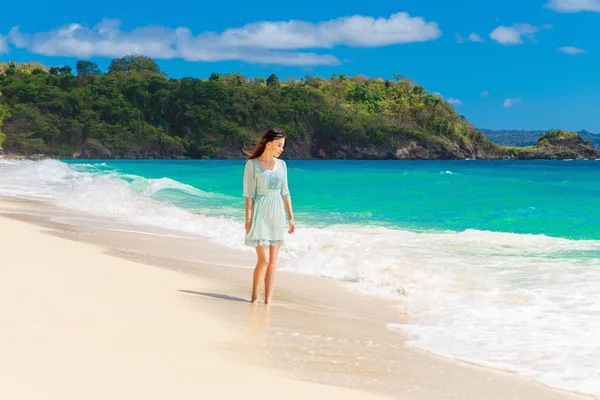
<point>134,110</point>
<point>3,115</point>
<point>556,144</point>
<point>523,138</point>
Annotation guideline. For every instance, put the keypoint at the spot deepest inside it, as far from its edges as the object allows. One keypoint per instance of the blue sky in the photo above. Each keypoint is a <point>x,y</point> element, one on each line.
<point>504,65</point>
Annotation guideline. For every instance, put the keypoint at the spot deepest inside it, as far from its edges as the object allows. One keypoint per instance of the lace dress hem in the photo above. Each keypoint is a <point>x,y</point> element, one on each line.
<point>262,242</point>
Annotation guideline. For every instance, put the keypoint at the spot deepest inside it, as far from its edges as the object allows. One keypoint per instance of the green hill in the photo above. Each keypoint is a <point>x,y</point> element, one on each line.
<point>134,110</point>
<point>557,144</point>
<point>523,138</point>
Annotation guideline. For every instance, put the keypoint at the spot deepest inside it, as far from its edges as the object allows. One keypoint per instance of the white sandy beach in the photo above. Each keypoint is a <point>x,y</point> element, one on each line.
<point>80,323</point>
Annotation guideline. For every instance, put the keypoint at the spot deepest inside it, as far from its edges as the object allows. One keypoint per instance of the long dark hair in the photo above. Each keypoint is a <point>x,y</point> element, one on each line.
<point>268,136</point>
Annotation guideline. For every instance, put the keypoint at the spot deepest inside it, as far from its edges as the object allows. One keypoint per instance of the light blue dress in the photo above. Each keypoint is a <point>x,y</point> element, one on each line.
<point>268,189</point>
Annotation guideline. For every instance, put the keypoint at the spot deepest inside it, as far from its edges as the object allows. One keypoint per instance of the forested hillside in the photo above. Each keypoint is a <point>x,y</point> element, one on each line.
<point>133,110</point>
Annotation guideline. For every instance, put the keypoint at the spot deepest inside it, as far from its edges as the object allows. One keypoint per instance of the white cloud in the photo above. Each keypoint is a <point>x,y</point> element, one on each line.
<point>473,37</point>
<point>261,42</point>
<point>450,100</point>
<point>513,35</point>
<point>511,102</point>
<point>104,39</point>
<point>355,31</point>
<point>574,5</point>
<point>107,40</point>
<point>571,50</point>
<point>3,45</point>
<point>485,93</point>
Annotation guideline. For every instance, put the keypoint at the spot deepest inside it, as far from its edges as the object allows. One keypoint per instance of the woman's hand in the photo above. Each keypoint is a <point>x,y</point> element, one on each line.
<point>292,225</point>
<point>248,225</point>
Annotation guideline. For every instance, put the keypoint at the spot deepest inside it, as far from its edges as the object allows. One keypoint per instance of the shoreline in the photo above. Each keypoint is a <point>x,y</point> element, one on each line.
<point>317,331</point>
<point>40,157</point>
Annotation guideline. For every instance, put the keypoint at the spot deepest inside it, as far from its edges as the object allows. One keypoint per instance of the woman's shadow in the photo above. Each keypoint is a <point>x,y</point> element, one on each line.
<point>217,296</point>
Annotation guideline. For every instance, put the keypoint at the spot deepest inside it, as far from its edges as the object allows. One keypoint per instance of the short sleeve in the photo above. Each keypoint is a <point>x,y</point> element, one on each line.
<point>249,180</point>
<point>285,191</point>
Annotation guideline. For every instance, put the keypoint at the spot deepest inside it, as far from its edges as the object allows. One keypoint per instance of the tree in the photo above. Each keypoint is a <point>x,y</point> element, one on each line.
<point>133,63</point>
<point>60,71</point>
<point>273,81</point>
<point>65,70</point>
<point>3,114</point>
<point>312,81</point>
<point>397,77</point>
<point>87,69</point>
<point>235,79</point>
<point>419,90</point>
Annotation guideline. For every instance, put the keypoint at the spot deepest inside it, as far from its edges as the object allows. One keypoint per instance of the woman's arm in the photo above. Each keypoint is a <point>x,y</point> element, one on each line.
<point>287,202</point>
<point>249,202</point>
<point>287,199</point>
<point>249,191</point>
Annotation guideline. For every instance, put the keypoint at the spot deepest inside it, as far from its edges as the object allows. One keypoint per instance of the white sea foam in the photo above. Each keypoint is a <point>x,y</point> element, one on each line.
<point>526,303</point>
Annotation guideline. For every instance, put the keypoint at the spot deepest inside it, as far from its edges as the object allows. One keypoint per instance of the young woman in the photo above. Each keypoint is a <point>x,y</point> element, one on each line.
<point>267,201</point>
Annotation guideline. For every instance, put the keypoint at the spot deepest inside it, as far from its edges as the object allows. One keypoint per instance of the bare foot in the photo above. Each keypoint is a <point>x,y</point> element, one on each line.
<point>254,300</point>
<point>268,301</point>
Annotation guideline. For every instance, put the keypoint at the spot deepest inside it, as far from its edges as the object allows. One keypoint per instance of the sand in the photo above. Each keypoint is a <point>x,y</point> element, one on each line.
<point>87,313</point>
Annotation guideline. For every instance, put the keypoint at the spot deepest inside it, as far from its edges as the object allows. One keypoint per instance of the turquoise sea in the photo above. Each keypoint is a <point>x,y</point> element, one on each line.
<point>496,262</point>
<point>555,198</point>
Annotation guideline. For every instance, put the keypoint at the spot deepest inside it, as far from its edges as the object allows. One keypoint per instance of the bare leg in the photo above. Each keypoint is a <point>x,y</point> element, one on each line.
<point>262,252</point>
<point>270,276</point>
